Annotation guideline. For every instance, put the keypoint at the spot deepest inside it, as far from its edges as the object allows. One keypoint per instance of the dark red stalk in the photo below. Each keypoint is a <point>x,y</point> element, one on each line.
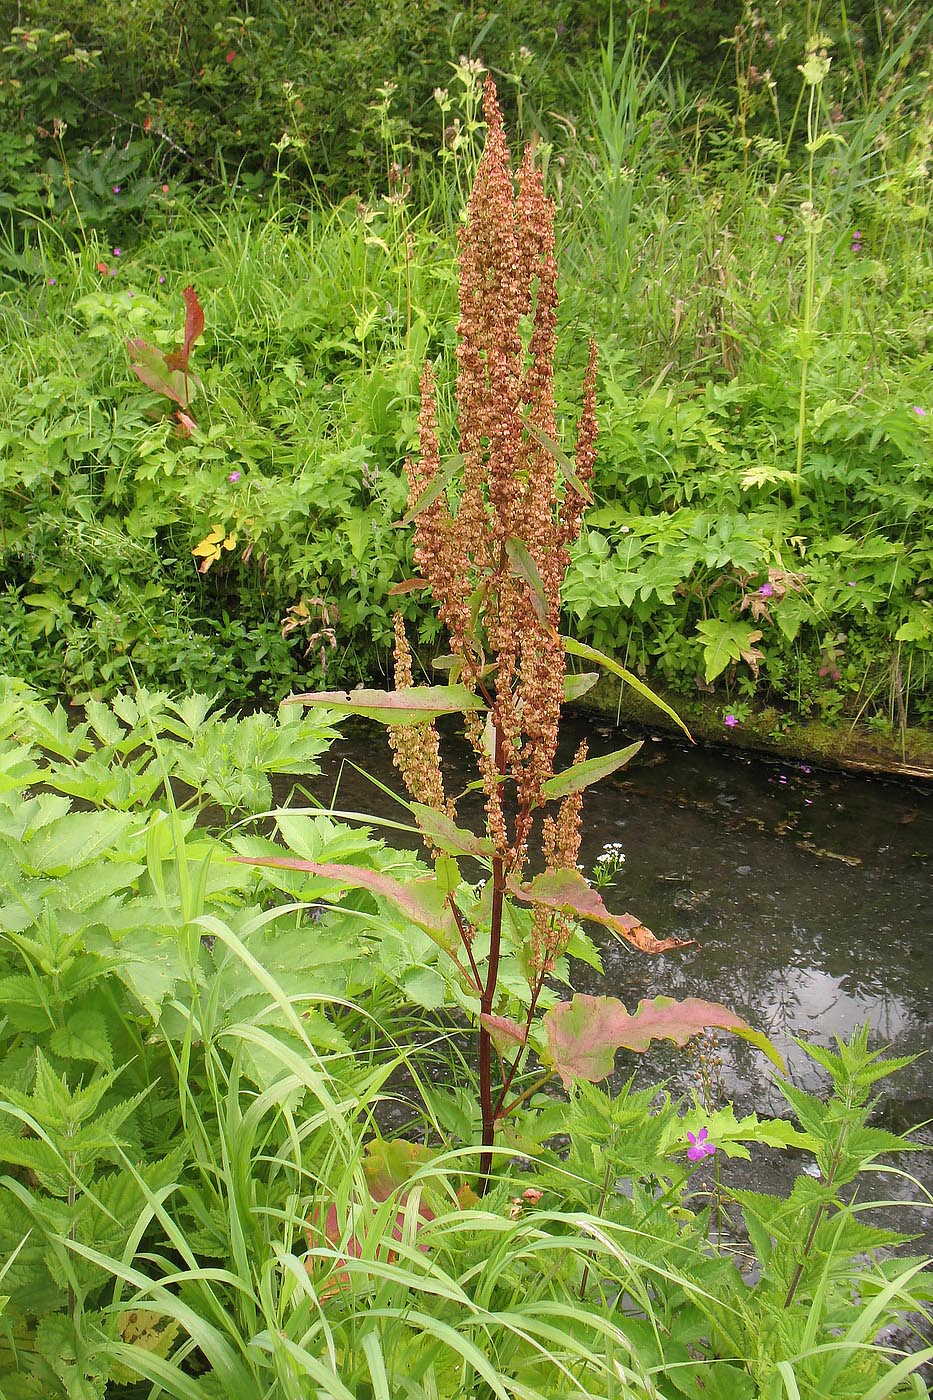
<point>488,998</point>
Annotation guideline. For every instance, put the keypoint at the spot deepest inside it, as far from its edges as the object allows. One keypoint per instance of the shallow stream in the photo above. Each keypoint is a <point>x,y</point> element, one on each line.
<point>807,892</point>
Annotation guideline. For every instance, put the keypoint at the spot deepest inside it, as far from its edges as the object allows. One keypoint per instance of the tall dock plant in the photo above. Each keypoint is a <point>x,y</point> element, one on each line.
<point>493,525</point>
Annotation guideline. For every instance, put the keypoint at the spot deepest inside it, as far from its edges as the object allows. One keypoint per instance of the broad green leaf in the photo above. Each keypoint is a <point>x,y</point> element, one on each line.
<point>587,653</point>
<point>524,567</point>
<point>582,775</point>
<point>410,705</point>
<point>584,1034</point>
<point>444,833</point>
<point>725,641</point>
<point>568,891</point>
<point>422,901</point>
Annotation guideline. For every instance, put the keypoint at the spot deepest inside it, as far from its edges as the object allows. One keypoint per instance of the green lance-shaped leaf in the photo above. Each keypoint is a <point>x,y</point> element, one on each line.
<point>582,775</point>
<point>577,683</point>
<point>567,469</point>
<point>414,704</point>
<point>574,648</point>
<point>524,567</point>
<point>448,470</point>
<point>423,901</point>
<point>584,1034</point>
<point>568,892</point>
<point>445,835</point>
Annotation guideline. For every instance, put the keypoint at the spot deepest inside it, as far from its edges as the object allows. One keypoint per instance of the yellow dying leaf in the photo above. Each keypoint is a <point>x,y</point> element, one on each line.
<point>208,551</point>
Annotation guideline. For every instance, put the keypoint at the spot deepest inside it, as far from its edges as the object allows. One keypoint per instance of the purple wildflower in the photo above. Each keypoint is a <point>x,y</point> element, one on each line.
<point>116,189</point>
<point>850,583</point>
<point>161,279</point>
<point>234,477</point>
<point>766,590</point>
<point>730,721</point>
<point>920,412</point>
<point>779,238</point>
<point>118,252</point>
<point>699,1147</point>
<point>51,281</point>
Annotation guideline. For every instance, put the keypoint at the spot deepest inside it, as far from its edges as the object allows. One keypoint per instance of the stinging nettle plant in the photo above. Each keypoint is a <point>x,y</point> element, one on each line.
<point>493,526</point>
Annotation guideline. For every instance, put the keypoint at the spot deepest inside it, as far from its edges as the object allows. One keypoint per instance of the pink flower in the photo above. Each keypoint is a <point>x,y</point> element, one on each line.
<point>230,56</point>
<point>116,189</point>
<point>165,189</point>
<point>234,477</point>
<point>730,721</point>
<point>779,238</point>
<point>920,412</point>
<point>118,252</point>
<point>532,1195</point>
<point>766,590</point>
<point>51,281</point>
<point>699,1147</point>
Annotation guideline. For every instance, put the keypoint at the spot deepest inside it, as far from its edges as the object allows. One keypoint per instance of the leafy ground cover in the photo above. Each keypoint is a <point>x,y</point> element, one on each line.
<point>758,277</point>
<point>198,1200</point>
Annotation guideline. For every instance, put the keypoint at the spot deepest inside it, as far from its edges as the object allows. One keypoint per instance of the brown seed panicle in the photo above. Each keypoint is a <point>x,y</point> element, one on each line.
<point>416,750</point>
<point>495,558</point>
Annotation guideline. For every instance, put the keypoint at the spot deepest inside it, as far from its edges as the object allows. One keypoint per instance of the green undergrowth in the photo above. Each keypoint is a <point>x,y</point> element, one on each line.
<point>757,275</point>
<point>200,1193</point>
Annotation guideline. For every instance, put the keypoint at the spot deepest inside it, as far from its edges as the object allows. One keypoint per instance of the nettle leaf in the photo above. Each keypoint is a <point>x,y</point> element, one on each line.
<point>524,567</point>
<point>582,775</point>
<point>416,704</point>
<point>568,892</point>
<point>422,901</point>
<point>584,1034</point>
<point>444,833</point>
<point>726,641</point>
<point>588,653</point>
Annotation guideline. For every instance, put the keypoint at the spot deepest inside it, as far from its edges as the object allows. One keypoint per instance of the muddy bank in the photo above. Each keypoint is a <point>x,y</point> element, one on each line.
<point>906,754</point>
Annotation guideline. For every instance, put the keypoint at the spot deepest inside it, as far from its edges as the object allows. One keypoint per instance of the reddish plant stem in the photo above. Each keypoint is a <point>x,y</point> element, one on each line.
<point>520,1054</point>
<point>487,1001</point>
<point>468,947</point>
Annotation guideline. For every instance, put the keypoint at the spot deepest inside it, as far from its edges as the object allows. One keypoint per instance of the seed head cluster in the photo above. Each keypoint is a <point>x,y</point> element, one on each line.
<point>493,548</point>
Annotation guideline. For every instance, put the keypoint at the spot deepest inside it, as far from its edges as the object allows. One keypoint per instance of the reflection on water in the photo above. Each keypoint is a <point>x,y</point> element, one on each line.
<point>807,893</point>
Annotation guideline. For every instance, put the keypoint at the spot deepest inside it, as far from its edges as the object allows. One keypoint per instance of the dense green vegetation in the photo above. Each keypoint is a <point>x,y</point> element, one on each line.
<point>197,1199</point>
<point>247,1148</point>
<point>755,264</point>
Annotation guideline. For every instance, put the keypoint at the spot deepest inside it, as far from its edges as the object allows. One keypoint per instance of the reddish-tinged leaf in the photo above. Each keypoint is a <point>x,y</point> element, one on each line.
<point>194,329</point>
<point>388,1167</point>
<point>408,585</point>
<point>411,705</point>
<point>584,1034</point>
<point>506,1033</point>
<point>150,366</point>
<point>391,1163</point>
<point>444,833</point>
<point>422,901</point>
<point>581,775</point>
<point>185,422</point>
<point>567,891</point>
